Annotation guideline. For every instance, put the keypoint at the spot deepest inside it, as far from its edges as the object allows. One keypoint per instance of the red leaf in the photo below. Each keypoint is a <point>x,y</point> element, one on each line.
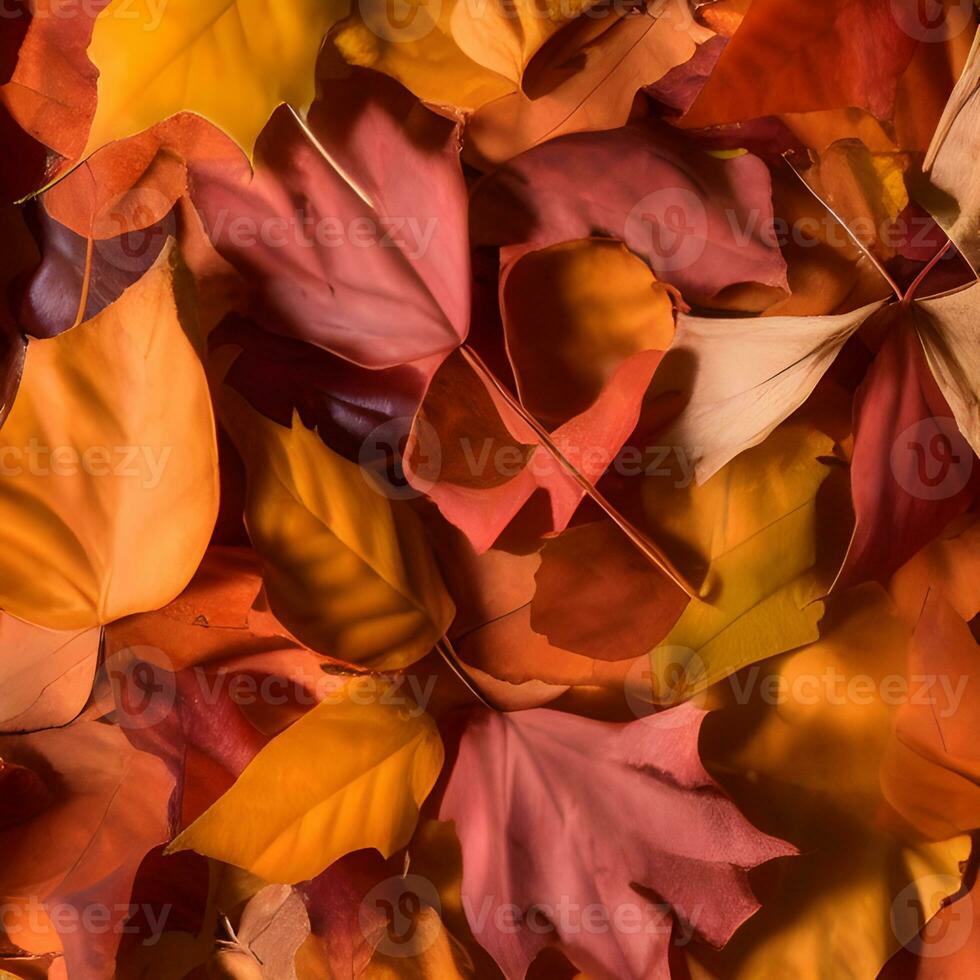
<point>799,57</point>
<point>912,472</point>
<point>599,838</point>
<point>598,596</point>
<point>698,221</point>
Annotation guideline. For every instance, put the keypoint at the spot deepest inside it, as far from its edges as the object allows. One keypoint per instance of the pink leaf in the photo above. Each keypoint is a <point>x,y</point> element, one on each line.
<point>702,224</point>
<point>600,838</point>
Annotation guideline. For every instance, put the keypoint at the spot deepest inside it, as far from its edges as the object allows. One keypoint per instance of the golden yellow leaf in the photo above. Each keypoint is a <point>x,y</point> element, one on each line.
<point>753,525</point>
<point>108,465</point>
<point>348,775</point>
<point>231,61</point>
<point>457,52</point>
<point>798,743</point>
<point>347,570</point>
<point>440,956</point>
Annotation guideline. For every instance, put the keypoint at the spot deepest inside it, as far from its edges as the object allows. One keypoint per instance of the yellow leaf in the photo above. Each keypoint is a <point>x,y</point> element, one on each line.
<point>754,526</point>
<point>108,465</point>
<point>350,774</point>
<point>452,52</point>
<point>798,744</point>
<point>231,61</point>
<point>439,957</point>
<point>347,570</point>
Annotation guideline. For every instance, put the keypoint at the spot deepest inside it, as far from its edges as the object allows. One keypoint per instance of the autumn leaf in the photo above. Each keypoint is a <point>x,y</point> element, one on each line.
<point>355,237</point>
<point>586,77</point>
<point>456,54</point>
<point>347,570</point>
<point>45,675</point>
<point>785,57</point>
<point>231,63</point>
<point>949,161</point>
<point>622,819</point>
<point>798,744</point>
<point>113,462</point>
<point>324,224</point>
<point>910,462</point>
<point>748,376</point>
<point>572,313</point>
<point>766,563</point>
<point>698,221</point>
<point>100,806</point>
<point>294,811</point>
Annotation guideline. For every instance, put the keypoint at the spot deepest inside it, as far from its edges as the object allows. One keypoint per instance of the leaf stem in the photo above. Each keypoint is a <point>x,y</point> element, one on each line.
<point>445,648</point>
<point>636,537</point>
<point>872,258</point>
<point>920,278</point>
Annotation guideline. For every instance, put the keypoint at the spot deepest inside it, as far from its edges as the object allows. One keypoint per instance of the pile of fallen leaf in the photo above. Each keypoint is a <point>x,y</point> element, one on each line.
<point>489,489</point>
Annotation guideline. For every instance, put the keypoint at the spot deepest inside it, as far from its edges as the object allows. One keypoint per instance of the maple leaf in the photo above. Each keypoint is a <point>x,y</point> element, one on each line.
<point>232,63</point>
<point>575,815</point>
